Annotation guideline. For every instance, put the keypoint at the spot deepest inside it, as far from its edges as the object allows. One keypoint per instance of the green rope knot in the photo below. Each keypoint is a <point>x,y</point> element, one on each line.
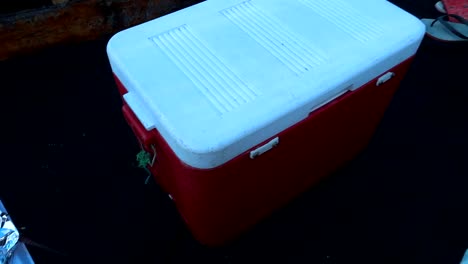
<point>143,159</point>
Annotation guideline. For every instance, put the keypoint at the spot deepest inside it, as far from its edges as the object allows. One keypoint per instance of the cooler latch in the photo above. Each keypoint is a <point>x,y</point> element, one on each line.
<point>385,78</point>
<point>261,150</point>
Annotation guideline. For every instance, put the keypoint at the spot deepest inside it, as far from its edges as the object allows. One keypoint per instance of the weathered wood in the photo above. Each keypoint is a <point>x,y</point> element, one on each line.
<point>75,20</point>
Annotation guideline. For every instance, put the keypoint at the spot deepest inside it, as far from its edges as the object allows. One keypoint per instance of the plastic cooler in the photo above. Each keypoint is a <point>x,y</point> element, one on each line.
<point>245,104</point>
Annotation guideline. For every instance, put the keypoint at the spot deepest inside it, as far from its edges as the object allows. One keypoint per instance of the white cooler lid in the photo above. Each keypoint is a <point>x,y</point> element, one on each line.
<point>220,77</point>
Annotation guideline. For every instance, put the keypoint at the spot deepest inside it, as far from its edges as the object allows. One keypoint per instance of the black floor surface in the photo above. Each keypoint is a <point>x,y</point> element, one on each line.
<point>68,173</point>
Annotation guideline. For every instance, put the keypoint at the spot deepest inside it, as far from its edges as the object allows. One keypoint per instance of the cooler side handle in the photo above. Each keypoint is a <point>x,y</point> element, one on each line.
<point>143,136</point>
<point>135,120</point>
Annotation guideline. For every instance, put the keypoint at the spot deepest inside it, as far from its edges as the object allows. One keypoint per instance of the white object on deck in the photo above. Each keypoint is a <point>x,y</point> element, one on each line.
<point>21,254</point>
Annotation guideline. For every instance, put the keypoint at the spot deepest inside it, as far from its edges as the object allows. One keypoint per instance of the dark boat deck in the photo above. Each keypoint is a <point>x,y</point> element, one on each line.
<point>68,173</point>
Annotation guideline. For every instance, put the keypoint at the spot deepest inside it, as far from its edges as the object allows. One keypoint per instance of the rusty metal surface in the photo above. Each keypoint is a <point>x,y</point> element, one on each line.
<point>75,20</point>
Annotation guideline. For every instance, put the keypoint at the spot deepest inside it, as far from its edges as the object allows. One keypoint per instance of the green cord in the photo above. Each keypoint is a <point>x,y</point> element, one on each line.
<point>143,159</point>
<point>148,178</point>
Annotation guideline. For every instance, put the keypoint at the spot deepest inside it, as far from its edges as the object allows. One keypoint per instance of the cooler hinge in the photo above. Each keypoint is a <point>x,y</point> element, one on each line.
<point>385,78</point>
<point>261,150</point>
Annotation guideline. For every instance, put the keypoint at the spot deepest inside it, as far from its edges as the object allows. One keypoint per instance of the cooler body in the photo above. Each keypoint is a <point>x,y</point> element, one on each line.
<point>221,203</point>
<point>236,131</point>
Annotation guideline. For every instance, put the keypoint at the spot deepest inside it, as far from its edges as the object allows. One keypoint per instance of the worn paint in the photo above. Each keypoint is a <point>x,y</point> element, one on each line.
<point>75,20</point>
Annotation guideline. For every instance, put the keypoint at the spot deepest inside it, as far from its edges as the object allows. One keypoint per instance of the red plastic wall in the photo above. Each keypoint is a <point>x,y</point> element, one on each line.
<point>219,204</point>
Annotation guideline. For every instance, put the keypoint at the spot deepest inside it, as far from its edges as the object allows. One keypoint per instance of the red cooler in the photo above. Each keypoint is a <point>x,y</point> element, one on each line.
<point>243,105</point>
